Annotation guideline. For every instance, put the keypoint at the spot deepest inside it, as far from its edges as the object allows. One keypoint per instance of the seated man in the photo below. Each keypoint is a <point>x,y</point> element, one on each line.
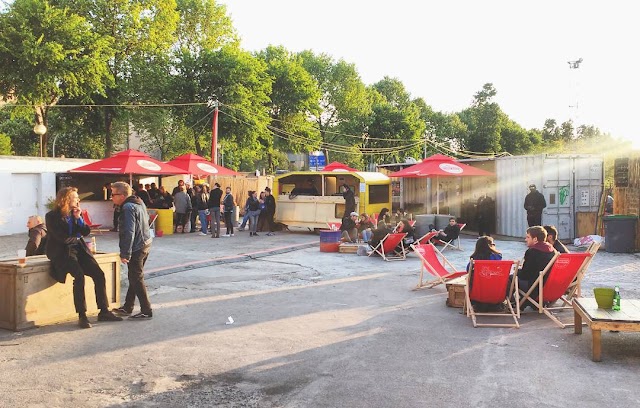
<point>379,233</point>
<point>552,238</point>
<point>37,236</point>
<point>536,258</point>
<point>450,232</point>
<point>349,228</point>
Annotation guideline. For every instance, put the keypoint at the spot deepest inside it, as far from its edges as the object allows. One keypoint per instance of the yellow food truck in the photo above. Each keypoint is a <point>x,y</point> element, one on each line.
<point>314,198</point>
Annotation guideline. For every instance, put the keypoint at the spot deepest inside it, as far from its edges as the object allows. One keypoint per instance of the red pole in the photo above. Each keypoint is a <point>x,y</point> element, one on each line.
<point>214,136</point>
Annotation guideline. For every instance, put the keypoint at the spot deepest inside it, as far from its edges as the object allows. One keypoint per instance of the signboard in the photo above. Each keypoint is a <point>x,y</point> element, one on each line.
<point>317,162</point>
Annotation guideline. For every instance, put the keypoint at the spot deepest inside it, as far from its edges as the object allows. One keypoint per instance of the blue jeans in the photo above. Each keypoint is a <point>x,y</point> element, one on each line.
<point>253,220</point>
<point>245,219</point>
<point>202,214</point>
<point>366,235</point>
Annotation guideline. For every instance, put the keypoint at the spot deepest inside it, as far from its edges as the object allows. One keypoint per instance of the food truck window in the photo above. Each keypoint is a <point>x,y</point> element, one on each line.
<point>92,187</point>
<point>379,194</point>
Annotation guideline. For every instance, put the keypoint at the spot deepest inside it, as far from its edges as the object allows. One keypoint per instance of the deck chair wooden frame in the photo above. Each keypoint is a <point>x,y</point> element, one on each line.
<point>593,250</point>
<point>436,264</point>
<point>387,247</point>
<point>450,243</point>
<point>87,220</point>
<point>334,226</point>
<point>562,271</point>
<point>490,282</point>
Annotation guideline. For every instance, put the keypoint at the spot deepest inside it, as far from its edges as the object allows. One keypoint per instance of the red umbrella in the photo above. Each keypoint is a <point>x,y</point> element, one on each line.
<point>440,165</point>
<point>129,162</point>
<point>197,165</point>
<point>337,166</point>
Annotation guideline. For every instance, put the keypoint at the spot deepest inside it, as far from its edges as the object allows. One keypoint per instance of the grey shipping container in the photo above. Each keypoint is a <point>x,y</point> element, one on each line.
<point>571,185</point>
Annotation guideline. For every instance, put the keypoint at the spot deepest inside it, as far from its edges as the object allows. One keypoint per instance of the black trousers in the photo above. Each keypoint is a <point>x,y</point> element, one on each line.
<point>137,288</point>
<point>534,219</point>
<point>484,227</point>
<point>81,264</point>
<point>228,222</point>
<point>270,219</point>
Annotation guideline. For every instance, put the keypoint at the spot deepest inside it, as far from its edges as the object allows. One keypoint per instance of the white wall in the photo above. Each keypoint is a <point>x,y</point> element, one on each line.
<point>30,183</point>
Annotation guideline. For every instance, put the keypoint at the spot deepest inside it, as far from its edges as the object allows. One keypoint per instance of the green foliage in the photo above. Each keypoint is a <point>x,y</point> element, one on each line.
<point>5,145</point>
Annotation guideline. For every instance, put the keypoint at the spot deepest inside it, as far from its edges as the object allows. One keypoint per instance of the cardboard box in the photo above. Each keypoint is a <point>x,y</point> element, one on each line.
<point>30,297</point>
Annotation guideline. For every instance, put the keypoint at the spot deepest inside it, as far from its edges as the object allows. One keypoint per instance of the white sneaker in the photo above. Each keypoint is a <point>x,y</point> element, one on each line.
<point>204,234</point>
<point>232,235</point>
<point>226,235</point>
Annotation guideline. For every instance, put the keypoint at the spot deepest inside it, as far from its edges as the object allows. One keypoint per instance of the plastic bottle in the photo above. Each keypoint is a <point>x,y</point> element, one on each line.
<point>93,245</point>
<point>616,298</point>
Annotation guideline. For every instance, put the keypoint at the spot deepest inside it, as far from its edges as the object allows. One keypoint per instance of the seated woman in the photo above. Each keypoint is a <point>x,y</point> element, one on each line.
<point>485,251</point>
<point>384,217</point>
<point>365,227</point>
<point>404,226</point>
<point>379,233</point>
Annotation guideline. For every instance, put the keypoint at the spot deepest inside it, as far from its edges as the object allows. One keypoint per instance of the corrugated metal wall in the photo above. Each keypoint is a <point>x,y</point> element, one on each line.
<point>570,184</point>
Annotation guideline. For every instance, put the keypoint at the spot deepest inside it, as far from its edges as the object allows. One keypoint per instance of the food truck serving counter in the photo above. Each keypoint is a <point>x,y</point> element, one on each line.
<point>312,199</point>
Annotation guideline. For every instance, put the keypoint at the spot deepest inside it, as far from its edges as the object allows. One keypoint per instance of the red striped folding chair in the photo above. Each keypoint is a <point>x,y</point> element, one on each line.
<point>426,238</point>
<point>487,283</point>
<point>391,247</point>
<point>87,220</point>
<point>430,261</point>
<point>554,282</point>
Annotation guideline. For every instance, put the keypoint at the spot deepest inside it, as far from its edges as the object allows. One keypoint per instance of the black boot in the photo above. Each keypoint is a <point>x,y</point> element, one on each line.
<point>83,321</point>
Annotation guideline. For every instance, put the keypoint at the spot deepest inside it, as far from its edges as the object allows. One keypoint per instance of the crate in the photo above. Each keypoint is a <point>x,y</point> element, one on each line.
<point>30,297</point>
<point>347,248</point>
<point>455,288</point>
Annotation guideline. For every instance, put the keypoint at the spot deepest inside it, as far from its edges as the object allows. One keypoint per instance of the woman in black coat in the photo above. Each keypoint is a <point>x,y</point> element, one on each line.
<point>349,201</point>
<point>69,254</point>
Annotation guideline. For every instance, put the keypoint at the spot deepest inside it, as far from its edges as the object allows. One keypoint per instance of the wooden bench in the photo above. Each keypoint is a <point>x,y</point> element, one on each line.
<point>30,297</point>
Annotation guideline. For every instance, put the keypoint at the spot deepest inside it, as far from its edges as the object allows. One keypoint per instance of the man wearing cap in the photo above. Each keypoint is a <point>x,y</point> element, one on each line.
<point>349,228</point>
<point>534,203</point>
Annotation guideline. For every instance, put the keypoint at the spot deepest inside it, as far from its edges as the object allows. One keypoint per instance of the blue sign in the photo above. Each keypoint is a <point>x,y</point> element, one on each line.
<point>317,162</point>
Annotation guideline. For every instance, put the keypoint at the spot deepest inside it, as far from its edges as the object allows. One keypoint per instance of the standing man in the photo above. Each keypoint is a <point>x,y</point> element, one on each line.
<point>228,204</point>
<point>484,214</point>
<point>135,244</point>
<point>270,209</point>
<point>214,208</point>
<point>349,201</point>
<point>534,203</point>
<point>69,254</point>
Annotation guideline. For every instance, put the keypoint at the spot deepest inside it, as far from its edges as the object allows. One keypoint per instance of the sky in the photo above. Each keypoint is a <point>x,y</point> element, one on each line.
<point>445,51</point>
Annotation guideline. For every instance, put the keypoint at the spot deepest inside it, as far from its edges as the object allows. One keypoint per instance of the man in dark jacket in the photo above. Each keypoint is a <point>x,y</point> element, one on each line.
<point>135,244</point>
<point>534,203</point>
<point>552,238</point>
<point>69,254</point>
<point>214,208</point>
<point>536,258</point>
<point>37,236</point>
<point>270,209</point>
<point>349,228</point>
<point>349,200</point>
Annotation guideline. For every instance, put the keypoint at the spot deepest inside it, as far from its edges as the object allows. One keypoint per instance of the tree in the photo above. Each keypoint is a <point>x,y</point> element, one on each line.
<point>294,98</point>
<point>343,101</point>
<point>46,53</point>
<point>139,32</point>
<point>5,145</point>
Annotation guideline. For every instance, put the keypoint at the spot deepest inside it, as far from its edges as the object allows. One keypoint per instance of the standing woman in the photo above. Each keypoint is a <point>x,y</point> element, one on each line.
<point>349,201</point>
<point>253,209</point>
<point>69,254</point>
<point>228,204</point>
<point>262,217</point>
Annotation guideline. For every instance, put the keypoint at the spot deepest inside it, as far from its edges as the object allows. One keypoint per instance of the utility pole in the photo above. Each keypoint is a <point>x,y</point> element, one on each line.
<point>574,65</point>
<point>213,102</point>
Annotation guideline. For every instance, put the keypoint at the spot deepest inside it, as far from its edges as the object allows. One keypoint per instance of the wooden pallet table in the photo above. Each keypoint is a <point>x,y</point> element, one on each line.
<point>626,319</point>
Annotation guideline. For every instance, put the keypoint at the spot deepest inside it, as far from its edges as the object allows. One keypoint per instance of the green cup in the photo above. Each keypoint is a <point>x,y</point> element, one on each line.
<point>604,297</point>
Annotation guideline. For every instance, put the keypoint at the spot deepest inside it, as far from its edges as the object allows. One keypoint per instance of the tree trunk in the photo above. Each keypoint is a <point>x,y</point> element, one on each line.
<point>108,125</point>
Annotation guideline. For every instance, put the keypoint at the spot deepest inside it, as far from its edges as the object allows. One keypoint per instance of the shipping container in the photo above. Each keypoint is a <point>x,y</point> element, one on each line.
<point>571,185</point>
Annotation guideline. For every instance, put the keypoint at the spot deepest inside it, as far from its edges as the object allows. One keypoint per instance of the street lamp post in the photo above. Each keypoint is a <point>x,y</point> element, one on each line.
<point>40,129</point>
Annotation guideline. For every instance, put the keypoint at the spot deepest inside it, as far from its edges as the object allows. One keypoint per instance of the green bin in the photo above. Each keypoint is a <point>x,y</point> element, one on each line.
<point>620,233</point>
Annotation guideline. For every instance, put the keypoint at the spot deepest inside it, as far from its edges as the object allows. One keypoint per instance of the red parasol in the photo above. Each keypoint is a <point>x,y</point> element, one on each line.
<point>197,165</point>
<point>129,162</point>
<point>440,165</point>
<point>337,166</point>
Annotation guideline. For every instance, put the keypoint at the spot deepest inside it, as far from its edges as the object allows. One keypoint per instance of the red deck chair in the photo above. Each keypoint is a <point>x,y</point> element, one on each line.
<point>487,283</point>
<point>593,250</point>
<point>87,220</point>
<point>430,262</point>
<point>562,270</point>
<point>386,248</point>
<point>334,226</point>
<point>412,223</point>
<point>450,243</point>
<point>426,238</point>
